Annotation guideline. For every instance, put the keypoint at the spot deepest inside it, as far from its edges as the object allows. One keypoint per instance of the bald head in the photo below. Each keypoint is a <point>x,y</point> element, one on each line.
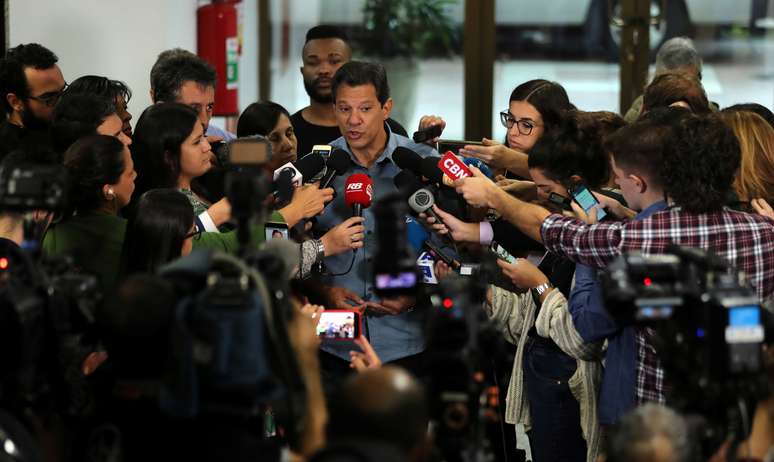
<point>385,404</point>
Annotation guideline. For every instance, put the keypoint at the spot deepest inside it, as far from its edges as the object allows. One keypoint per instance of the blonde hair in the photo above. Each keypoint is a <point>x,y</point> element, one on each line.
<point>755,177</point>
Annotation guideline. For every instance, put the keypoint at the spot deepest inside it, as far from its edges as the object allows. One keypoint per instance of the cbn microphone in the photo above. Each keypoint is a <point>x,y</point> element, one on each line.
<point>337,164</point>
<point>358,193</point>
<point>453,167</point>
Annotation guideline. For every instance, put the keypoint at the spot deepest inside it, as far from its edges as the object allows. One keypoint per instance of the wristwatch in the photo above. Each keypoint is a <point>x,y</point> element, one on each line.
<point>318,245</point>
<point>542,288</point>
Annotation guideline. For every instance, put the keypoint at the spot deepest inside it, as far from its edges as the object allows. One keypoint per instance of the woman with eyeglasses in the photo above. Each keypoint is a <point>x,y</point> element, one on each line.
<point>101,173</point>
<point>164,229</point>
<point>535,107</point>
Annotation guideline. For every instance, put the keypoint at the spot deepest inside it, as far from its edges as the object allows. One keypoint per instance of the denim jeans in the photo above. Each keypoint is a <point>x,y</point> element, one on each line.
<point>556,434</point>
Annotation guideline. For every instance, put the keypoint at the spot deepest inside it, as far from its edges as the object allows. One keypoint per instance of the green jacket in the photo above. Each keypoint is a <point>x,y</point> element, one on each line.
<point>95,241</point>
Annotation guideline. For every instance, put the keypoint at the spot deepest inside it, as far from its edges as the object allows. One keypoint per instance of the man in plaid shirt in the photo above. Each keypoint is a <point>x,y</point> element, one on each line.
<point>690,159</point>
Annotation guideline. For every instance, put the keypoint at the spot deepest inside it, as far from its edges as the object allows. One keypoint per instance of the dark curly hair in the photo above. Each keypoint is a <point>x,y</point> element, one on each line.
<point>176,67</point>
<point>101,86</point>
<point>77,115</point>
<point>698,171</point>
<point>91,163</point>
<point>575,148</point>
<point>12,78</point>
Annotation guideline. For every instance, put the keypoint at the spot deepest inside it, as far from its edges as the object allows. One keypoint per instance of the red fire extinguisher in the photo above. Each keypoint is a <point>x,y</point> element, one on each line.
<point>217,40</point>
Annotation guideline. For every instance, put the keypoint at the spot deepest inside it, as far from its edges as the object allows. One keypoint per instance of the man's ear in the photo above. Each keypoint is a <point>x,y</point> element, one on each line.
<point>387,108</point>
<point>15,102</point>
<point>639,182</point>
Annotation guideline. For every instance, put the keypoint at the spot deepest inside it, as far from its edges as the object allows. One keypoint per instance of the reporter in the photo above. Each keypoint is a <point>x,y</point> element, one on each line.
<point>77,115</point>
<point>114,90</point>
<point>171,151</point>
<point>269,119</point>
<point>102,175</point>
<point>535,108</point>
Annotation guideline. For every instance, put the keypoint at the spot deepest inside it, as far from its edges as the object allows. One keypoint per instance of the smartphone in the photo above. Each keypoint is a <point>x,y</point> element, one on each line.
<point>322,149</point>
<point>339,325</point>
<point>560,200</point>
<point>586,200</point>
<point>427,134</point>
<point>251,152</point>
<point>455,145</point>
<point>501,253</point>
<point>275,230</point>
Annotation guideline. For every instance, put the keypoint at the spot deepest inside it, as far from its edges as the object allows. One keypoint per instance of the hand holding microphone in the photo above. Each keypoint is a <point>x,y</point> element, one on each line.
<point>358,193</point>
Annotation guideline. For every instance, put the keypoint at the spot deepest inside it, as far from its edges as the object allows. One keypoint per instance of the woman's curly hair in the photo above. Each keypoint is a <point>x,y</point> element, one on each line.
<point>699,168</point>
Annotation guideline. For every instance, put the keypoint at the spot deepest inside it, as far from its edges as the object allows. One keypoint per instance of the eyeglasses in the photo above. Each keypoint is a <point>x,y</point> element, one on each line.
<point>51,98</point>
<point>525,125</point>
<point>196,234</point>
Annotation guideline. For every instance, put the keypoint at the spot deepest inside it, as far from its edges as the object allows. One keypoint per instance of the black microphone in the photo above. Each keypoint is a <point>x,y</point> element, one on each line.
<point>407,159</point>
<point>310,165</point>
<point>448,199</point>
<point>407,183</point>
<point>338,163</point>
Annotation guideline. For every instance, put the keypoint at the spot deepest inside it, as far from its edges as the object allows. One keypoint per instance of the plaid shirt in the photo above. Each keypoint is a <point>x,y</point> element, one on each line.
<point>745,240</point>
<point>650,375</point>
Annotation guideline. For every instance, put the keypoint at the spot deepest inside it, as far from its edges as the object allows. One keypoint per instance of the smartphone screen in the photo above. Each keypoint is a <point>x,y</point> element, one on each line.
<point>501,253</point>
<point>339,325</point>
<point>274,230</point>
<point>586,199</point>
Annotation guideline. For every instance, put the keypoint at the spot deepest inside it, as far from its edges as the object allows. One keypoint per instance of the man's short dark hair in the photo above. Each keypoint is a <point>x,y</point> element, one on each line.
<point>77,115</point>
<point>698,171</point>
<point>100,86</point>
<point>325,31</point>
<point>357,73</point>
<point>12,78</point>
<point>173,69</point>
<point>639,148</point>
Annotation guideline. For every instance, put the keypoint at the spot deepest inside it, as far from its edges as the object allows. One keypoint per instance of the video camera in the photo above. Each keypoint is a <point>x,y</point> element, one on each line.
<point>48,311</point>
<point>708,323</point>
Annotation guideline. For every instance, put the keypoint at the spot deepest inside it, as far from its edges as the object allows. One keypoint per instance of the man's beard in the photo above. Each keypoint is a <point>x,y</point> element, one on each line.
<point>311,90</point>
<point>32,122</point>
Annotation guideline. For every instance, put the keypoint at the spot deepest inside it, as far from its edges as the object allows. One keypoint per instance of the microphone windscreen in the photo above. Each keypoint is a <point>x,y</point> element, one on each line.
<point>406,159</point>
<point>310,165</point>
<point>429,168</point>
<point>358,189</point>
<point>338,161</point>
<point>407,182</point>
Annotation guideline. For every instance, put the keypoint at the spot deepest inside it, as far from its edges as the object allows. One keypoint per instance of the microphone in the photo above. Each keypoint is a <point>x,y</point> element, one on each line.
<point>448,199</point>
<point>407,183</point>
<point>358,193</point>
<point>422,201</point>
<point>310,165</point>
<point>453,168</point>
<point>338,163</point>
<point>406,159</point>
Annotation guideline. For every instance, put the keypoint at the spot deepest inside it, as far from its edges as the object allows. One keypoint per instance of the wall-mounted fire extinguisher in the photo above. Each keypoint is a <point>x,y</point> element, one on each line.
<point>217,41</point>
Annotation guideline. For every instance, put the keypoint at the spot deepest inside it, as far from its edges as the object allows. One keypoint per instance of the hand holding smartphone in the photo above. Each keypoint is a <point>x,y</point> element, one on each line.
<point>339,325</point>
<point>501,253</point>
<point>583,196</point>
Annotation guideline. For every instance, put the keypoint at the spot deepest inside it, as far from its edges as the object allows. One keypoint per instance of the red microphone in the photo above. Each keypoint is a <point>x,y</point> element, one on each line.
<point>358,193</point>
<point>454,168</point>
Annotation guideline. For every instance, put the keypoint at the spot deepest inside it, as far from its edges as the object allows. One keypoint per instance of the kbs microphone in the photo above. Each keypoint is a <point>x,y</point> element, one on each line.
<point>337,164</point>
<point>358,193</point>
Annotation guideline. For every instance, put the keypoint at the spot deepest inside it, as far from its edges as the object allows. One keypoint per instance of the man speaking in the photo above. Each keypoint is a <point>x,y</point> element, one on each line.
<point>362,104</point>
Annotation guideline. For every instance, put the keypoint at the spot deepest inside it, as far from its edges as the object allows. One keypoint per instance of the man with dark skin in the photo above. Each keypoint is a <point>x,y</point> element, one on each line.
<point>30,84</point>
<point>325,51</point>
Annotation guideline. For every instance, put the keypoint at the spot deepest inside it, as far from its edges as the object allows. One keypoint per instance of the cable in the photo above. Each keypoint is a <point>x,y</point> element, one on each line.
<point>351,263</point>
